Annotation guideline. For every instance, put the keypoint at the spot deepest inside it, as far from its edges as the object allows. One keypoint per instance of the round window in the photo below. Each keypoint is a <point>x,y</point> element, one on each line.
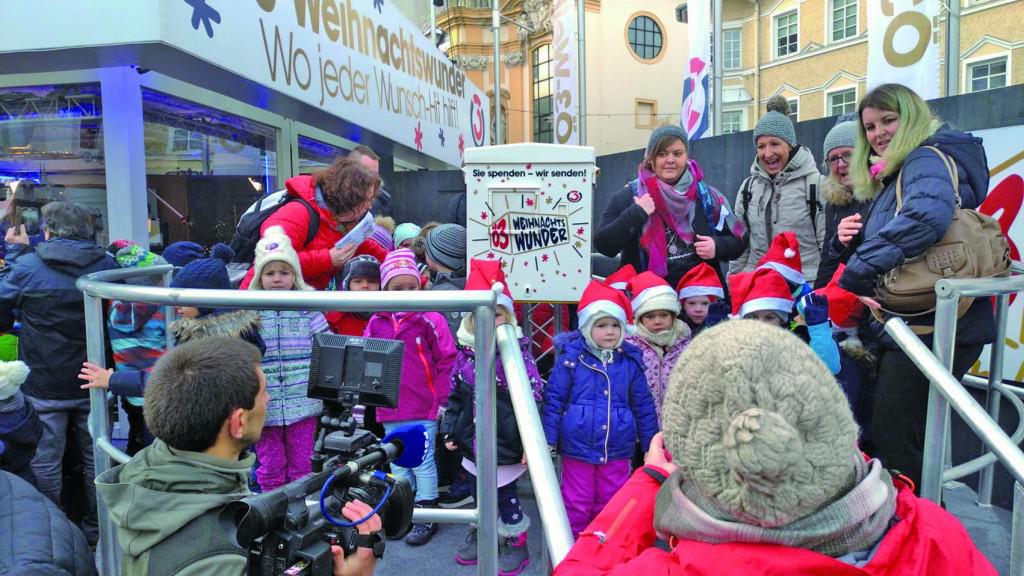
<point>645,37</point>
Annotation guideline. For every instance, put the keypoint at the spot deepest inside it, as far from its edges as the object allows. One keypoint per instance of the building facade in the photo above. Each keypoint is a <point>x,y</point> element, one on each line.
<point>815,53</point>
<point>635,60</point>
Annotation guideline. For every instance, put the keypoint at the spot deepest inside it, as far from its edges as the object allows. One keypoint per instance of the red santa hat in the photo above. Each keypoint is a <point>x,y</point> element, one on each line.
<point>844,308</point>
<point>483,274</point>
<point>701,280</point>
<point>783,256</point>
<point>762,289</point>
<point>651,292</point>
<point>621,277</point>
<point>600,300</point>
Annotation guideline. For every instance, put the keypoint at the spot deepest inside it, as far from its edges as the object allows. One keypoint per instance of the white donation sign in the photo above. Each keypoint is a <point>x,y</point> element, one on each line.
<point>529,207</point>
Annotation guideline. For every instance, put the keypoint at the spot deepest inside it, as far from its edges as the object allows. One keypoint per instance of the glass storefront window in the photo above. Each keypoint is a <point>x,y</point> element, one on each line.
<point>204,167</point>
<point>51,148</point>
<point>316,155</point>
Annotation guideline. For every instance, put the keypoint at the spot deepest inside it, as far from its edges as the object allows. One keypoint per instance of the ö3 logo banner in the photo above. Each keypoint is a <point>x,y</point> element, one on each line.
<point>476,120</point>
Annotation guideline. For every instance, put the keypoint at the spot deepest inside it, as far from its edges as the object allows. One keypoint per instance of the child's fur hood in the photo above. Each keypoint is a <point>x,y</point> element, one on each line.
<point>232,323</point>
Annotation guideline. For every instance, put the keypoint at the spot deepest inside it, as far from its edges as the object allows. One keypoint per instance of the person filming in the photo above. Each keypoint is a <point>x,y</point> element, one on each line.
<point>205,403</point>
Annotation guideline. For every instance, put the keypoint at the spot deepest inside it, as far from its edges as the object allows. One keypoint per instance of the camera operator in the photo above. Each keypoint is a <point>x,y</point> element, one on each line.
<point>205,403</point>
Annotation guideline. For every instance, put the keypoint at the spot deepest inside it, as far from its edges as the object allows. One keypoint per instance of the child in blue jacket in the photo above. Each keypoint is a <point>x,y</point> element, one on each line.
<point>597,404</point>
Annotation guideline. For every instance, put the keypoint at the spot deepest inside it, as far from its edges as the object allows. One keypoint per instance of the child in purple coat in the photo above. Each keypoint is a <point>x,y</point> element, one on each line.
<point>660,334</point>
<point>426,377</point>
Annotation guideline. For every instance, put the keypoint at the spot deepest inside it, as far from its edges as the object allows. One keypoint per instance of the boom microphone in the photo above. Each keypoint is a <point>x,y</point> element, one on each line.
<point>405,446</point>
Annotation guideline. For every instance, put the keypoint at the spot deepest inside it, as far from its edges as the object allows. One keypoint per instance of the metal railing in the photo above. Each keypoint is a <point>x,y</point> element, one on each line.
<point>100,285</point>
<point>947,393</point>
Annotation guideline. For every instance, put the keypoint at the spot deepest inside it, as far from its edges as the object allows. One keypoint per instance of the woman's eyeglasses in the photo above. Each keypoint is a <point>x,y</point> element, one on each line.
<point>845,158</point>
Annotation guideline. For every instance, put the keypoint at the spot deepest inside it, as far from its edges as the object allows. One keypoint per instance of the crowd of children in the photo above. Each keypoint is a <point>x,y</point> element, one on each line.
<point>601,403</point>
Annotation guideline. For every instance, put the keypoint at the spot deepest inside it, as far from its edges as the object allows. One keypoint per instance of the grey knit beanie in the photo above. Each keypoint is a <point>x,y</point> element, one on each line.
<point>842,135</point>
<point>663,131</point>
<point>776,122</point>
<point>758,425</point>
<point>446,245</point>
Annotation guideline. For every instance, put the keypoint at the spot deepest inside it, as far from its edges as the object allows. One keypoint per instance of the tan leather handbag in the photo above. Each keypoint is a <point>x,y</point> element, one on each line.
<point>973,247</point>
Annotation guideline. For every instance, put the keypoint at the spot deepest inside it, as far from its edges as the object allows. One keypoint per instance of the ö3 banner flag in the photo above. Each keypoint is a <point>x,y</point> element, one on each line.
<point>903,44</point>
<point>565,62</point>
<point>695,114</point>
<point>361,60</point>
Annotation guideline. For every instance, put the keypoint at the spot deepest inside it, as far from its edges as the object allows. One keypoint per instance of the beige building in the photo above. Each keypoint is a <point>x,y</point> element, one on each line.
<point>815,53</point>
<point>635,55</point>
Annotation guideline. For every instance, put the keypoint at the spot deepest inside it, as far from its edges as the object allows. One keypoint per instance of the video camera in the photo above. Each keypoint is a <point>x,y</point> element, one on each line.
<point>290,530</point>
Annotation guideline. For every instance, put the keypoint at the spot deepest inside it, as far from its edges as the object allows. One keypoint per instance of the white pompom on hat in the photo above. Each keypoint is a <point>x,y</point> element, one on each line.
<point>12,376</point>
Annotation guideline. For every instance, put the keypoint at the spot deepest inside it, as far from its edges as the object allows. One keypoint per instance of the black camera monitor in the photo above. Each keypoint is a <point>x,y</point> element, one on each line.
<point>356,370</point>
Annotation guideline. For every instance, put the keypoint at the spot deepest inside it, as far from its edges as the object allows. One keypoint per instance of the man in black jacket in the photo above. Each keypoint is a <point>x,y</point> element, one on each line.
<point>41,284</point>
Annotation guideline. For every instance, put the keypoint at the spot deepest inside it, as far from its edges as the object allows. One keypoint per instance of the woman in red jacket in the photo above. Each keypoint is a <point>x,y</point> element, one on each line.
<point>341,195</point>
<point>758,473</point>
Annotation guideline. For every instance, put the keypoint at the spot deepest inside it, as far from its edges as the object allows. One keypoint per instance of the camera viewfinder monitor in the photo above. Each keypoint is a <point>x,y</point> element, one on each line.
<point>356,370</point>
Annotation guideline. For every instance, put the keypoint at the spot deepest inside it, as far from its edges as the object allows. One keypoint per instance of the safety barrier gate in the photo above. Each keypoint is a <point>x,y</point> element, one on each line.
<point>558,538</point>
<point>946,392</point>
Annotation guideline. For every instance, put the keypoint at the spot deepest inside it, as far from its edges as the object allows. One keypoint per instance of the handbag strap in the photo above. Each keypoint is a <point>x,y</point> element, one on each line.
<point>954,177</point>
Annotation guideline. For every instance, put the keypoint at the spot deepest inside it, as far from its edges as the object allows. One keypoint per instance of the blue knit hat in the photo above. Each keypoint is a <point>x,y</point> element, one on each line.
<point>206,273</point>
<point>663,131</point>
<point>776,122</point>
<point>181,253</point>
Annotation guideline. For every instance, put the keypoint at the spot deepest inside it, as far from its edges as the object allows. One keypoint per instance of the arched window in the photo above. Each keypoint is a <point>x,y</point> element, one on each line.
<point>542,95</point>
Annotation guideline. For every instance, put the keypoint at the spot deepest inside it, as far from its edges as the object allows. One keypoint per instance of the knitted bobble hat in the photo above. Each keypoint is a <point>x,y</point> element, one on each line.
<point>758,426</point>
<point>446,245</point>
<point>206,273</point>
<point>776,122</point>
<point>276,246</point>
<point>842,135</point>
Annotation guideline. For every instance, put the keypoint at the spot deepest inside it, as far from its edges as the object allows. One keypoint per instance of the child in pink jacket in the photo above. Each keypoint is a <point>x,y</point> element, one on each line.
<point>426,376</point>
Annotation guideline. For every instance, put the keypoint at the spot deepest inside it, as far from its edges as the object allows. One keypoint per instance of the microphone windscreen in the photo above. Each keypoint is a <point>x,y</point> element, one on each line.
<point>414,441</point>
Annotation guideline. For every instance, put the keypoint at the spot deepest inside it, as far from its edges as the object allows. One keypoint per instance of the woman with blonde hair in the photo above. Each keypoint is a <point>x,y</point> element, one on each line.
<point>898,133</point>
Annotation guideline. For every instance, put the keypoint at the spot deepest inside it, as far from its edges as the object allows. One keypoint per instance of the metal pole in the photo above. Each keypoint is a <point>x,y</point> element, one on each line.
<point>169,313</point>
<point>716,69</point>
<point>557,534</point>
<point>581,55</point>
<point>99,426</point>
<point>433,24</point>
<point>1017,530</point>
<point>496,31</point>
<point>933,458</point>
<point>995,377</point>
<point>486,443</point>
<point>952,48</point>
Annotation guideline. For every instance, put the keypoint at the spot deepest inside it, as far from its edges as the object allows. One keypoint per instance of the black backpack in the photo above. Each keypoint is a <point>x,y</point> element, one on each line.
<point>248,233</point>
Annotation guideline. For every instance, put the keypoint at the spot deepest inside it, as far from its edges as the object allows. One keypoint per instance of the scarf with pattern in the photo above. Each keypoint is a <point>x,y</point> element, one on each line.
<point>675,210</point>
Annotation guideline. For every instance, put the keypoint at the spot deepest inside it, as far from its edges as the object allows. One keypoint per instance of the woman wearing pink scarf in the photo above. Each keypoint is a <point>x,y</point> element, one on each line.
<point>668,220</point>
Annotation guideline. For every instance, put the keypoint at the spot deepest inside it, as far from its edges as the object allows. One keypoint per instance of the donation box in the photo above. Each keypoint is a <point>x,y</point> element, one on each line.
<point>529,207</point>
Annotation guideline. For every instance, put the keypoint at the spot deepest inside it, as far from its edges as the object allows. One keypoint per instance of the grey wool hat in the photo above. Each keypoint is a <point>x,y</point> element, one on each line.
<point>446,245</point>
<point>663,131</point>
<point>776,122</point>
<point>758,424</point>
<point>842,135</point>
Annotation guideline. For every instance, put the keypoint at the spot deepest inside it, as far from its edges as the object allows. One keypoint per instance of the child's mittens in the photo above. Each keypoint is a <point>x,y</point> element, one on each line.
<point>814,308</point>
<point>717,312</point>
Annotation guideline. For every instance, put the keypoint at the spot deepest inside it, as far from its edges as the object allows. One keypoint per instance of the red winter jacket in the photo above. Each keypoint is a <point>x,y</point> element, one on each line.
<point>346,323</point>
<point>926,540</point>
<point>315,258</point>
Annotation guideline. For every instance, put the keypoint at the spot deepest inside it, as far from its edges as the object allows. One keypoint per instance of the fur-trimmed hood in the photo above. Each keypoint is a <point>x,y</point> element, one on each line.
<point>836,193</point>
<point>233,323</point>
